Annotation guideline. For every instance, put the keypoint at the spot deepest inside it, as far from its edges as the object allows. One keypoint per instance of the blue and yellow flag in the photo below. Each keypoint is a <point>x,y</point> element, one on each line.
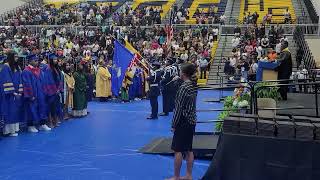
<point>121,60</point>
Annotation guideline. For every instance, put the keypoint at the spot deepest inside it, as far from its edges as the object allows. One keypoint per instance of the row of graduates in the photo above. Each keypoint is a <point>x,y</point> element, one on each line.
<point>48,90</point>
<point>40,94</point>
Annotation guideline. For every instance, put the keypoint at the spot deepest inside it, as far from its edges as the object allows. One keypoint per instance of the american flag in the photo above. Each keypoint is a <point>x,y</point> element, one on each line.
<point>137,61</point>
<point>169,29</point>
<point>169,34</point>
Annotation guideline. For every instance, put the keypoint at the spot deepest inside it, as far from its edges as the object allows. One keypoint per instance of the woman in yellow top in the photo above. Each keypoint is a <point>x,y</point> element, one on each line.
<point>103,82</point>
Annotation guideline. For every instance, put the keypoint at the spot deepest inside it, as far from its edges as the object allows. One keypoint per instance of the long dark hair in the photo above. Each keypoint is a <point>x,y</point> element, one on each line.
<point>55,70</point>
<point>12,62</point>
<point>65,70</point>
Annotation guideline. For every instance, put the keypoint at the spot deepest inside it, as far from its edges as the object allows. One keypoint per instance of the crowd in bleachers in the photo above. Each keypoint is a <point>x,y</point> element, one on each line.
<point>138,17</point>
<point>252,18</point>
<point>202,16</point>
<point>72,14</point>
<point>250,46</point>
<point>84,14</point>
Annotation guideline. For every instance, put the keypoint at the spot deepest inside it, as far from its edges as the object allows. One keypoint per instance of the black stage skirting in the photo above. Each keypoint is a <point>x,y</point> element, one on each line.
<point>242,157</point>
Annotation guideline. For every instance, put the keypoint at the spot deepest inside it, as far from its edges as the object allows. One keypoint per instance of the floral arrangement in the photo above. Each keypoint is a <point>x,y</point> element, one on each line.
<point>240,101</point>
<point>241,98</point>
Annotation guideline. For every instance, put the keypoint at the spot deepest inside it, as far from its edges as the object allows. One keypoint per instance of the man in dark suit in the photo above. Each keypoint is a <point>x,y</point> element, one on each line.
<point>285,68</point>
<point>154,81</point>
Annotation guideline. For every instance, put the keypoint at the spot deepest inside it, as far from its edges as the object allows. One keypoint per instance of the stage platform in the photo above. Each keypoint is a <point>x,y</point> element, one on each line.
<point>296,100</point>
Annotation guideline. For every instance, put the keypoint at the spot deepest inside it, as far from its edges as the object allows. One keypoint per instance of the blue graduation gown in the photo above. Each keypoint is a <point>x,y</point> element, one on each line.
<point>12,106</point>
<point>139,82</point>
<point>34,110</point>
<point>1,96</point>
<point>135,90</point>
<point>114,82</point>
<point>50,89</point>
<point>43,66</point>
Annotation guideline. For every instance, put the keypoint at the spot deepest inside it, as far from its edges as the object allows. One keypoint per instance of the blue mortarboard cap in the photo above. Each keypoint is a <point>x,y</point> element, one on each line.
<point>32,57</point>
<point>53,56</point>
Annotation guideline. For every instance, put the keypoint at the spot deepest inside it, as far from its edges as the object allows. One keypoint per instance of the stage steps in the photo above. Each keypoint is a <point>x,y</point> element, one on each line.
<point>224,49</point>
<point>234,11</point>
<point>301,11</point>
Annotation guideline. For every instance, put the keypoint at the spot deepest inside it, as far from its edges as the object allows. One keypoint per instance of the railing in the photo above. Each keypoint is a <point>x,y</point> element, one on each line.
<point>306,29</point>
<point>229,19</point>
<point>306,86</point>
<point>315,86</point>
<point>307,57</point>
<point>312,11</point>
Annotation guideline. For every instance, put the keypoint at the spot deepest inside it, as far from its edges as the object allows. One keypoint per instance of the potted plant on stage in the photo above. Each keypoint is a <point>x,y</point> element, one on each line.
<point>240,101</point>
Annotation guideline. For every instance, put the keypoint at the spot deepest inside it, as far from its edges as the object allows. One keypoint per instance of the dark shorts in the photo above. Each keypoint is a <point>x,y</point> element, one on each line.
<point>183,138</point>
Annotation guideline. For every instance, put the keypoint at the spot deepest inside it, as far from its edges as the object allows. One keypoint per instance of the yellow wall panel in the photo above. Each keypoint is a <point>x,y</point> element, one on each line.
<point>255,5</point>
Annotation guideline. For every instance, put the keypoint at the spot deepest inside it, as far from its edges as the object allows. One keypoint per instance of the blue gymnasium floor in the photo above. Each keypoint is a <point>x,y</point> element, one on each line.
<point>101,146</point>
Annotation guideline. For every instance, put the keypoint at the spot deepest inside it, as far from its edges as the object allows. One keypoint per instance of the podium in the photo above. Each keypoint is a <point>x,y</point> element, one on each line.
<point>269,75</point>
<point>266,71</point>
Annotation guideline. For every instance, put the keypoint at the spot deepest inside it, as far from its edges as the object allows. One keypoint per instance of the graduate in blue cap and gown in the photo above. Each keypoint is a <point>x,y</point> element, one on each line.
<point>2,59</point>
<point>34,98</point>
<point>53,86</point>
<point>44,62</point>
<point>12,99</point>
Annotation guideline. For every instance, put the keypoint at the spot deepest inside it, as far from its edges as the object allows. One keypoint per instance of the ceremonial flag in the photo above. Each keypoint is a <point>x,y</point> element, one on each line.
<point>121,61</point>
<point>137,60</point>
<point>169,34</point>
<point>131,48</point>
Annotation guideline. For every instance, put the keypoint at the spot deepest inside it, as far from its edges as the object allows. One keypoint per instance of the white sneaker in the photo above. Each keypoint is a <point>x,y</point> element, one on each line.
<point>13,134</point>
<point>32,129</point>
<point>44,128</point>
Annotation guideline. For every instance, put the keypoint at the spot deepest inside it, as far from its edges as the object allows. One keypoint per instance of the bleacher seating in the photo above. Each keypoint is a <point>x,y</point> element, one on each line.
<point>59,3</point>
<point>115,3</point>
<point>262,7</point>
<point>159,4</point>
<point>204,5</point>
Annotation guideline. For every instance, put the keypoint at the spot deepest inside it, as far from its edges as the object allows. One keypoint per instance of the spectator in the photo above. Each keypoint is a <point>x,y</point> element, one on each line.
<point>264,45</point>
<point>259,52</point>
<point>244,67</point>
<point>223,19</point>
<point>253,70</point>
<point>287,17</point>
<point>203,64</point>
<point>278,47</point>
<point>237,31</point>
